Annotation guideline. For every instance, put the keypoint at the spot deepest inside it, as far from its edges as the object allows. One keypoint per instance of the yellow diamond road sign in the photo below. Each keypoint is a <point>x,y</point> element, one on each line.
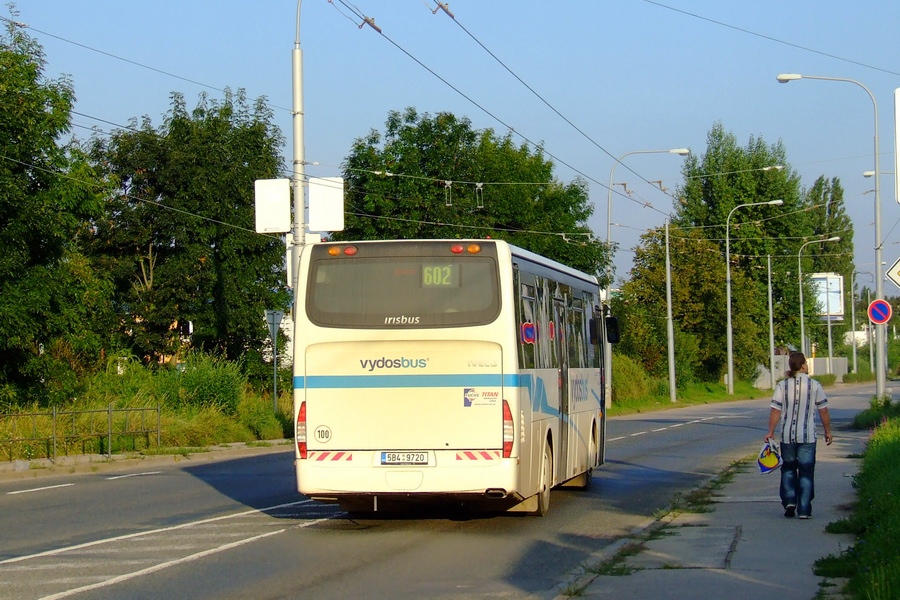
<point>894,273</point>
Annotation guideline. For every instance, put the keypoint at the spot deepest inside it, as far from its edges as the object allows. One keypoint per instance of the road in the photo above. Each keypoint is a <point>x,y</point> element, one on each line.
<point>236,528</point>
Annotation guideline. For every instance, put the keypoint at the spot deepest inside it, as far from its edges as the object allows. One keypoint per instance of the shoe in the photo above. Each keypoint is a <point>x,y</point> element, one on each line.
<point>805,517</point>
<point>789,511</point>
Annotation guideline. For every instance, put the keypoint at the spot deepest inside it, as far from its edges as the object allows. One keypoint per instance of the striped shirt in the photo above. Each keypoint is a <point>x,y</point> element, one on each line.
<point>798,398</point>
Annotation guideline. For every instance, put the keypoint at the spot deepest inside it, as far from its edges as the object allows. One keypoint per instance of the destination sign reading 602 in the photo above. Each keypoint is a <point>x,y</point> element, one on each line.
<point>446,275</point>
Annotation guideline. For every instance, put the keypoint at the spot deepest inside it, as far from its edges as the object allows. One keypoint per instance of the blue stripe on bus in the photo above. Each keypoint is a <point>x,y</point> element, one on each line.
<point>404,381</point>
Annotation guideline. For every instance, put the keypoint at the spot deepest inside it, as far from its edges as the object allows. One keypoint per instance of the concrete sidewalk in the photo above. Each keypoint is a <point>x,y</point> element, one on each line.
<point>744,549</point>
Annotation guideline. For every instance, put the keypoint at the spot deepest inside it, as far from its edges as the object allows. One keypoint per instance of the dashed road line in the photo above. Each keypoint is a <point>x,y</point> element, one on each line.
<point>40,489</point>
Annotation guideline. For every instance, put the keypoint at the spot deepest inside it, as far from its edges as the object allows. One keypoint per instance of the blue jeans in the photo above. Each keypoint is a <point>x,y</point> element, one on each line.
<point>797,474</point>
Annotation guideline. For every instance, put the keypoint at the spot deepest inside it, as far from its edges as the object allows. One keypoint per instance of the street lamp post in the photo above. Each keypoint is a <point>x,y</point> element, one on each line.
<point>609,269</point>
<point>729,335</point>
<point>298,173</point>
<point>800,280</point>
<point>879,284</point>
<point>771,328</point>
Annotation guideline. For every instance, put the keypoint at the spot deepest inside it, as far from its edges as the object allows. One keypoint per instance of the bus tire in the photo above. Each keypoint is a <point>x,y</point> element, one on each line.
<point>543,495</point>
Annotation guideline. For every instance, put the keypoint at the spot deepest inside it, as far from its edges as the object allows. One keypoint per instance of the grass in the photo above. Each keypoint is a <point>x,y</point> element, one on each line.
<point>872,564</point>
<point>691,395</point>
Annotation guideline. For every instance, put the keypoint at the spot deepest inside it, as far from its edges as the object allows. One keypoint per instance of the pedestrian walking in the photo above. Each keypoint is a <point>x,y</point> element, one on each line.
<point>795,403</point>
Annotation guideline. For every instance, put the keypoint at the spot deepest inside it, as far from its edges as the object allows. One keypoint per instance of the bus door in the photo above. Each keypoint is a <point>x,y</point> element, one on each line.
<point>560,349</point>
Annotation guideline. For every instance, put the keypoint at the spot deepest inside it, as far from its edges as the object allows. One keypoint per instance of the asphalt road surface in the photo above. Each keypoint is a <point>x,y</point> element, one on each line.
<point>236,527</point>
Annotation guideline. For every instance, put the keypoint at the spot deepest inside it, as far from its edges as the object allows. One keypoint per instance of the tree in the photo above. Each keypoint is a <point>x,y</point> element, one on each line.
<point>698,302</point>
<point>436,177</point>
<point>53,305</point>
<point>825,201</point>
<point>178,234</point>
<point>730,180</point>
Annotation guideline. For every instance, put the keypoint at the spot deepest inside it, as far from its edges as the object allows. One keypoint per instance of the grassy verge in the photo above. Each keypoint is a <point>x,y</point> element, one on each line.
<point>872,564</point>
<point>205,403</point>
<point>692,394</point>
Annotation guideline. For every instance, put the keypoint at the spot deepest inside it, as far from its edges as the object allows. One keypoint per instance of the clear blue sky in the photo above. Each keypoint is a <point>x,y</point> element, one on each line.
<point>631,75</point>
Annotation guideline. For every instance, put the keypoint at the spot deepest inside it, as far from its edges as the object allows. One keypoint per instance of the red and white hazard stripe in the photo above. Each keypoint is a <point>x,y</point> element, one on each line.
<point>331,456</point>
<point>479,455</point>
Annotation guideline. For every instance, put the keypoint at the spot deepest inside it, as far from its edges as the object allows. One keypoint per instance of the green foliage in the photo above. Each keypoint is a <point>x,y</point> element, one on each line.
<point>879,411</point>
<point>873,563</point>
<point>177,235</point>
<point>629,380</point>
<point>722,211</point>
<point>195,427</point>
<point>826,379</point>
<point>50,295</point>
<point>256,414</point>
<point>203,381</point>
<point>396,189</point>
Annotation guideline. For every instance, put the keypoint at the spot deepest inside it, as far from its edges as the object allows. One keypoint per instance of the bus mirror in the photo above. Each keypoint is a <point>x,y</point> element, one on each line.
<point>612,330</point>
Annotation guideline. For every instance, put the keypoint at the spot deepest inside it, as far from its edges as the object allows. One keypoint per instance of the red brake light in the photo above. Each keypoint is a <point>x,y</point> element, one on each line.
<point>350,250</point>
<point>457,249</point>
<point>301,431</point>
<point>509,431</point>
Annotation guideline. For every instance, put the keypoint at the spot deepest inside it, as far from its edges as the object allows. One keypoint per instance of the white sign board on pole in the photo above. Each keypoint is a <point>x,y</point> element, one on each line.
<point>273,205</point>
<point>326,204</point>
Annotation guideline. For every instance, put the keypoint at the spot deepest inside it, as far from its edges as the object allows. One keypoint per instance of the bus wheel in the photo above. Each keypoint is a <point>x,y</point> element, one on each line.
<point>543,495</point>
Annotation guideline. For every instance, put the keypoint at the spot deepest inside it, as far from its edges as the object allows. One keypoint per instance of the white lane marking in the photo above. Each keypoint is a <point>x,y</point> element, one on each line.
<point>694,422</point>
<point>40,489</point>
<point>171,563</point>
<point>136,534</point>
<point>133,475</point>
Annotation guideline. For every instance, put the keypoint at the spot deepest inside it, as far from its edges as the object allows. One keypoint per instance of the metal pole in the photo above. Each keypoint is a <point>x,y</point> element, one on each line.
<point>298,176</point>
<point>670,333</point>
<point>828,316</point>
<point>800,281</point>
<point>880,330</point>
<point>609,267</point>
<point>771,328</point>
<point>869,334</point>
<point>275,374</point>
<point>853,314</point>
<point>729,335</point>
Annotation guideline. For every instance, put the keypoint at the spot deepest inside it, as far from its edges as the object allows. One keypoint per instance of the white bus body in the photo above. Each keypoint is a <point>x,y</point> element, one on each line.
<point>444,369</point>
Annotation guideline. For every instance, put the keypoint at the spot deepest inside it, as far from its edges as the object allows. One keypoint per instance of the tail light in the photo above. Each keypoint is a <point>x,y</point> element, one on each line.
<point>301,430</point>
<point>509,431</point>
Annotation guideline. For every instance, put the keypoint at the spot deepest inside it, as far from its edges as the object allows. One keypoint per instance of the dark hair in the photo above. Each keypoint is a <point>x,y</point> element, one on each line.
<point>795,363</point>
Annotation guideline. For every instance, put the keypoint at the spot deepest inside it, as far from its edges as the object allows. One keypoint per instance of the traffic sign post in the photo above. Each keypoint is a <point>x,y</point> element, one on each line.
<point>894,273</point>
<point>273,319</point>
<point>880,312</point>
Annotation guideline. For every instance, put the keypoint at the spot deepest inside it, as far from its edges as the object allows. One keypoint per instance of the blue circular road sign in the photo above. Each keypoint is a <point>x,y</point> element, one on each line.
<point>879,312</point>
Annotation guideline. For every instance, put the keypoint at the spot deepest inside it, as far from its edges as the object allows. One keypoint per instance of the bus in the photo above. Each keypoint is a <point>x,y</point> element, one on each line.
<point>468,371</point>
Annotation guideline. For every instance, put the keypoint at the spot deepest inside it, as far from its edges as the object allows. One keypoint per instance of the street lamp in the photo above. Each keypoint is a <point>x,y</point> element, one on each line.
<point>730,382</point>
<point>879,284</point>
<point>800,279</point>
<point>608,354</point>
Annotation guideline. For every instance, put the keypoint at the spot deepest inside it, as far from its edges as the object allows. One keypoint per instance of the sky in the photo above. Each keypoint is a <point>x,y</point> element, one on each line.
<point>592,81</point>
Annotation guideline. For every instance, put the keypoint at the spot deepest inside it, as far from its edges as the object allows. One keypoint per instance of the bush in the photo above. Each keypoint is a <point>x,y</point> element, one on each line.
<point>203,381</point>
<point>629,380</point>
<point>826,379</point>
<point>257,415</point>
<point>193,427</point>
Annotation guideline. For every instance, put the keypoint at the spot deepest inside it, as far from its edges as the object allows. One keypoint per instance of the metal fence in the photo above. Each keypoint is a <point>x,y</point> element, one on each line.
<point>46,434</point>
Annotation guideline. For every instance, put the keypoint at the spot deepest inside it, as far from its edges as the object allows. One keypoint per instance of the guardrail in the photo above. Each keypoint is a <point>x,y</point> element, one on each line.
<point>43,434</point>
